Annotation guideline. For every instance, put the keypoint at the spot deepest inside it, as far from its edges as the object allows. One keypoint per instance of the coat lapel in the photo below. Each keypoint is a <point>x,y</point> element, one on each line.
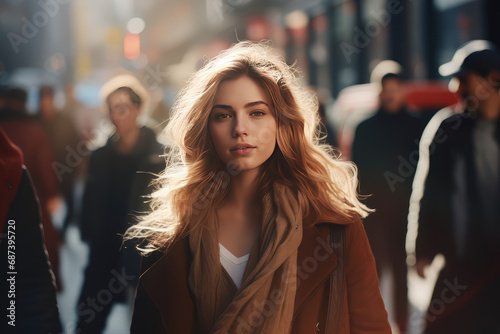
<point>315,261</point>
<point>166,282</point>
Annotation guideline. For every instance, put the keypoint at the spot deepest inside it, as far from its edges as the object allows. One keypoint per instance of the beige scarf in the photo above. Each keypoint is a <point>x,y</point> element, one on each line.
<point>265,301</point>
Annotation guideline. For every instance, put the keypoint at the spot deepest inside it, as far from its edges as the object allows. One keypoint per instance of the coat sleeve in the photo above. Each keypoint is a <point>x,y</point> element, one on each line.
<point>434,205</point>
<point>145,317</point>
<point>367,313</point>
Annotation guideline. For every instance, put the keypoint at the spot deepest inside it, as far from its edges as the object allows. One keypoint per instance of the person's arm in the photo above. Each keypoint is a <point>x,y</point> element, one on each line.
<point>33,291</point>
<point>367,313</point>
<point>433,206</point>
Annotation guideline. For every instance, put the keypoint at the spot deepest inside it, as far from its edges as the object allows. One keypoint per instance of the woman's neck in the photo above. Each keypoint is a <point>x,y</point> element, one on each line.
<point>243,190</point>
<point>239,215</point>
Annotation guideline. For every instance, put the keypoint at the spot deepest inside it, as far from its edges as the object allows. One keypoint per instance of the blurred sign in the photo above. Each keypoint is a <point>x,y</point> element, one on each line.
<point>258,28</point>
<point>132,46</point>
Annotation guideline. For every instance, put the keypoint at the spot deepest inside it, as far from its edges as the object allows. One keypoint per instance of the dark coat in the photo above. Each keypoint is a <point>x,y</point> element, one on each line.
<point>164,303</point>
<point>385,150</point>
<point>23,253</point>
<point>108,196</point>
<point>474,307</point>
<point>107,204</point>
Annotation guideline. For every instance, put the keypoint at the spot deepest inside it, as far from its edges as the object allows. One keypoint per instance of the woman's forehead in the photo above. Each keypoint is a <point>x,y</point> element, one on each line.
<point>241,91</point>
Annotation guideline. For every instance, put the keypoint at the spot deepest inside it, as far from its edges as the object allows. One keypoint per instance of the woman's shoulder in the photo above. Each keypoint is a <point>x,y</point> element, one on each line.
<point>334,220</point>
<point>151,258</point>
<point>352,228</point>
<point>169,255</point>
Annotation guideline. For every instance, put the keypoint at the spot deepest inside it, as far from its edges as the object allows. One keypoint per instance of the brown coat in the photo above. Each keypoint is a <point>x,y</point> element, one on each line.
<point>164,303</point>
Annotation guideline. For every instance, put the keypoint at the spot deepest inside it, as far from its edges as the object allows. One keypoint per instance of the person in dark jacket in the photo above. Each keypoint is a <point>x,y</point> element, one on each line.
<point>460,209</point>
<point>106,208</point>
<point>385,149</point>
<point>27,285</point>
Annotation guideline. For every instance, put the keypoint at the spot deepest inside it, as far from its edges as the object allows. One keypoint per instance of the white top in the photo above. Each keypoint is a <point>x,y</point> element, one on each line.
<point>235,266</point>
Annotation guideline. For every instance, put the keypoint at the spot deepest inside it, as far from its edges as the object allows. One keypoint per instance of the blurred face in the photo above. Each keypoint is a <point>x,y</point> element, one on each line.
<point>47,107</point>
<point>242,124</point>
<point>481,94</point>
<point>392,95</point>
<point>122,112</point>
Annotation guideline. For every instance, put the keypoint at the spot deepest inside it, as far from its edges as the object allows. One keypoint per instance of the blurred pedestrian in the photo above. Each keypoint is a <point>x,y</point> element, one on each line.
<point>27,286</point>
<point>460,208</point>
<point>256,228</point>
<point>108,199</point>
<point>32,139</point>
<point>65,141</point>
<point>385,149</point>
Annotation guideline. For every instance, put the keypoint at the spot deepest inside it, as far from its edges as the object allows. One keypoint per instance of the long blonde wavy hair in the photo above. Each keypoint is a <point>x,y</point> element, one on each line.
<point>195,180</point>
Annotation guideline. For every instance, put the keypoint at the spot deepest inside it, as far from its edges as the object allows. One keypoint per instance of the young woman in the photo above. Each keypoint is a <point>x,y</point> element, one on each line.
<point>255,227</point>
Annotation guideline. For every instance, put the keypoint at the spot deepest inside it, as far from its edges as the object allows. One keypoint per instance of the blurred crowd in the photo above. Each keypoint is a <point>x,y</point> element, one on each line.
<point>448,167</point>
<point>430,159</point>
<point>58,156</point>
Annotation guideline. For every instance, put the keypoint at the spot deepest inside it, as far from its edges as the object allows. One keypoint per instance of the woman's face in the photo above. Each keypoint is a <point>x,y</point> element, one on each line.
<point>242,124</point>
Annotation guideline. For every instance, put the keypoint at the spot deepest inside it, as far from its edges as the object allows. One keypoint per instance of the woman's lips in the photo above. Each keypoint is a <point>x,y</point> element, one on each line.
<point>242,150</point>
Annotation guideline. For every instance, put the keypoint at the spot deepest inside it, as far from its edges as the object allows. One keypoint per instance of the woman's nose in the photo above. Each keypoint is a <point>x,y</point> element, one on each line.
<point>240,127</point>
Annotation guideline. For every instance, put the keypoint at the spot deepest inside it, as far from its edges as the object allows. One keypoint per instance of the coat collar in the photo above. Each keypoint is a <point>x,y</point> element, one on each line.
<point>166,281</point>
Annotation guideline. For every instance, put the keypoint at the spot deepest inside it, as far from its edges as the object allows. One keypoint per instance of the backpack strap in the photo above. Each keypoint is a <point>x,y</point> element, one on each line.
<point>337,279</point>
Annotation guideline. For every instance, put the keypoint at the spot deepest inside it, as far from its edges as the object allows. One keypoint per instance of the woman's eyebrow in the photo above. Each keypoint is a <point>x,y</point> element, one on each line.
<point>223,106</point>
<point>248,105</point>
<point>251,104</point>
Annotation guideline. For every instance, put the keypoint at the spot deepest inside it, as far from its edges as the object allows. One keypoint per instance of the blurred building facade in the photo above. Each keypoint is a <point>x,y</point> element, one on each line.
<point>336,43</point>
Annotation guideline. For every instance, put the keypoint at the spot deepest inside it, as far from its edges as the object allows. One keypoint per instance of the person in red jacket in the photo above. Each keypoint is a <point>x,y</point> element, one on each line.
<point>27,287</point>
<point>26,133</point>
<point>255,227</point>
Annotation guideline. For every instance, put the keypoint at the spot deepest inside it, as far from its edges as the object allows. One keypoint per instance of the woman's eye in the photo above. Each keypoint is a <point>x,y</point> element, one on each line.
<point>257,113</point>
<point>222,116</point>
